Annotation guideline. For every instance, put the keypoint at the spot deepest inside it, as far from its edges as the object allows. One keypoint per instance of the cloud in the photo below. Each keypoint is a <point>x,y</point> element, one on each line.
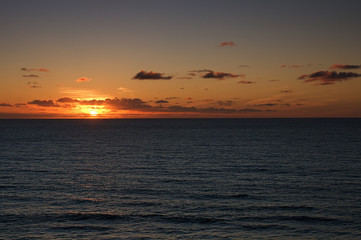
<point>67,100</point>
<point>34,69</point>
<point>227,43</point>
<point>220,75</point>
<point>33,84</point>
<point>83,79</point>
<point>20,104</point>
<point>171,98</point>
<point>139,106</point>
<point>5,105</point>
<point>245,82</point>
<point>296,65</point>
<point>327,78</point>
<point>225,103</point>
<point>143,75</point>
<point>345,66</point>
<point>31,75</point>
<point>44,103</point>
<point>274,80</point>
<point>286,91</point>
<point>291,66</point>
<point>243,66</point>
<point>161,101</point>
<point>266,105</point>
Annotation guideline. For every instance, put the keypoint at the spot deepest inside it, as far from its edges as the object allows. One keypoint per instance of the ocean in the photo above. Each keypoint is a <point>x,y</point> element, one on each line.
<point>180,179</point>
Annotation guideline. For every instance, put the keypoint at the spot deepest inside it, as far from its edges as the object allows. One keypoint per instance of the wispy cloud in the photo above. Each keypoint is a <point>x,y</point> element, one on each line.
<point>33,84</point>
<point>245,82</point>
<point>345,66</point>
<point>83,79</point>
<point>124,90</point>
<point>30,76</point>
<point>227,43</point>
<point>34,69</point>
<point>286,91</point>
<point>143,75</point>
<point>327,78</point>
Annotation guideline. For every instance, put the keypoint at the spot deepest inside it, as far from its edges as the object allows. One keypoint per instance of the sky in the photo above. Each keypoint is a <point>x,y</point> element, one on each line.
<point>180,58</point>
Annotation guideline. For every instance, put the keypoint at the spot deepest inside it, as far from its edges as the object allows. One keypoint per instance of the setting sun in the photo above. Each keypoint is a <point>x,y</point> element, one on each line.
<point>93,113</point>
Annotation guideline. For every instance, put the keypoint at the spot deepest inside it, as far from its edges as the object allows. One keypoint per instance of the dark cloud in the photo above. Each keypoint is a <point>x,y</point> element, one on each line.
<point>31,75</point>
<point>143,75</point>
<point>227,43</point>
<point>34,69</point>
<point>161,101</point>
<point>171,98</point>
<point>220,75</point>
<point>44,103</point>
<point>67,100</point>
<point>345,66</point>
<point>266,105</point>
<point>274,80</point>
<point>286,91</point>
<point>326,77</point>
<point>5,105</point>
<point>245,82</point>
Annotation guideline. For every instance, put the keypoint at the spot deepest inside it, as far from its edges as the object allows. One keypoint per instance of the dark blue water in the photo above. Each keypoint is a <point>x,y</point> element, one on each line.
<point>180,179</point>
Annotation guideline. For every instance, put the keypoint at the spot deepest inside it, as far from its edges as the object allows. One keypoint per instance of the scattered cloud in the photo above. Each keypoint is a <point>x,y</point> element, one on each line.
<point>227,43</point>
<point>31,75</point>
<point>274,80</point>
<point>245,82</point>
<point>143,75</point>
<point>34,69</point>
<point>83,79</point>
<point>286,91</point>
<point>327,78</point>
<point>220,75</point>
<point>33,84</point>
<point>44,103</point>
<point>243,66</point>
<point>161,101</point>
<point>171,98</point>
<point>345,66</point>
<point>5,105</point>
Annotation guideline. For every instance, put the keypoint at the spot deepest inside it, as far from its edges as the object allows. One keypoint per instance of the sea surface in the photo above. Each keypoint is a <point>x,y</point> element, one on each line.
<point>180,179</point>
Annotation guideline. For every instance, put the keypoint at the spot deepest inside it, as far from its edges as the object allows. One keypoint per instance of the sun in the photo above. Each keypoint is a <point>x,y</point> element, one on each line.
<point>93,113</point>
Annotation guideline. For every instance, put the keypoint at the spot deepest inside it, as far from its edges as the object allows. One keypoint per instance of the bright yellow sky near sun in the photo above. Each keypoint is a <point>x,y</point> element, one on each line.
<point>131,60</point>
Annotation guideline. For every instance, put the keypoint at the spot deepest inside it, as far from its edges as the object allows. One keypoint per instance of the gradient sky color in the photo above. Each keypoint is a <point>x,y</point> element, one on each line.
<point>179,58</point>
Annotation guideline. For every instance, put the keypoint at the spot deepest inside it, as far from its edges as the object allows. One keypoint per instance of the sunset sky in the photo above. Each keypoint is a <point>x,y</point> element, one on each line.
<point>180,58</point>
